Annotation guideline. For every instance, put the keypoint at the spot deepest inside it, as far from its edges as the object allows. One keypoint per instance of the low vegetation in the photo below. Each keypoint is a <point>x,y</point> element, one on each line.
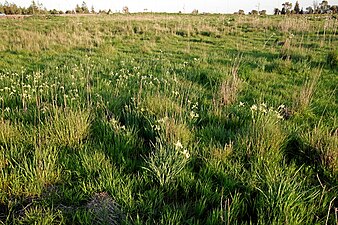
<point>168,119</point>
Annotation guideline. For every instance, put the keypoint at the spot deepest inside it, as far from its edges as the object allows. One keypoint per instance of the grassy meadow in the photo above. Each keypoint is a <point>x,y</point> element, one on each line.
<point>169,119</point>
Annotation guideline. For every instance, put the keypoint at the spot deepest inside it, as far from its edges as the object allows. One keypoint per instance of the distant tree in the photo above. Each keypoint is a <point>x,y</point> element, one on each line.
<point>92,10</point>
<point>262,12</point>
<point>276,11</point>
<point>287,6</point>
<point>53,11</point>
<point>315,7</point>
<point>41,9</point>
<point>195,12</point>
<point>309,10</point>
<point>109,12</point>
<point>8,8</point>
<point>283,11</point>
<point>334,9</point>
<point>33,8</point>
<point>301,11</point>
<point>241,12</point>
<point>254,12</point>
<point>125,10</point>
<point>84,7</point>
<point>324,6</point>
<point>297,8</point>
<point>78,9</point>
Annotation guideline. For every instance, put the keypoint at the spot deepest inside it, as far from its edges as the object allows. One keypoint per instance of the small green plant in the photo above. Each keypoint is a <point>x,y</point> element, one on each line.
<point>305,96</point>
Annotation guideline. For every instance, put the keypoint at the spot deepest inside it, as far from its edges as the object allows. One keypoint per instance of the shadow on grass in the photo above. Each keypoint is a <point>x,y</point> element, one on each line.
<point>298,152</point>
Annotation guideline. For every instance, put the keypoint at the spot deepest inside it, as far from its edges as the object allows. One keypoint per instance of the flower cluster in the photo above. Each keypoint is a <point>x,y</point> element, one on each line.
<point>178,146</point>
<point>263,109</point>
<point>194,107</point>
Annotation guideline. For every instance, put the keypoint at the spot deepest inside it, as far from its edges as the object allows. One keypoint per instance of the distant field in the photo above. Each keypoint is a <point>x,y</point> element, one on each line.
<point>169,119</point>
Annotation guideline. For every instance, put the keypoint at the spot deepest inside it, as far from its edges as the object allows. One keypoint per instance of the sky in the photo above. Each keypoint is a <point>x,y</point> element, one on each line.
<point>185,6</point>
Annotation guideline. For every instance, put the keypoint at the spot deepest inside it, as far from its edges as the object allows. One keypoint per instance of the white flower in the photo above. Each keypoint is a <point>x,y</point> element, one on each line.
<point>253,107</point>
<point>241,104</point>
<point>193,115</point>
<point>176,93</point>
<point>195,106</point>
<point>178,145</point>
<point>281,107</point>
<point>157,128</point>
<point>279,116</point>
<point>186,153</point>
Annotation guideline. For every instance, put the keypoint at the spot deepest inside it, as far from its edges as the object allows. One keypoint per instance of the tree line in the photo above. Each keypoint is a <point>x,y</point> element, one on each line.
<point>37,8</point>
<point>317,8</point>
<point>287,8</point>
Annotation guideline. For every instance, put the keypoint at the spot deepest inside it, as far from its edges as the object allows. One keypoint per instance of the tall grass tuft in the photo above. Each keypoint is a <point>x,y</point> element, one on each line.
<point>166,162</point>
<point>9,132</point>
<point>325,143</point>
<point>262,137</point>
<point>69,128</point>
<point>284,198</point>
<point>304,97</point>
<point>231,85</point>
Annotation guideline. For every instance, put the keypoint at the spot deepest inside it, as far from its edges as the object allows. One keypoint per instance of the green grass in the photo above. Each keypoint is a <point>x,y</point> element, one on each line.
<point>168,119</point>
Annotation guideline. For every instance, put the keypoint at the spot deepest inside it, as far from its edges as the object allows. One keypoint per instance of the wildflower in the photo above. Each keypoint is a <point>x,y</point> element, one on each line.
<point>186,153</point>
<point>161,120</point>
<point>178,145</point>
<point>262,108</point>
<point>281,107</point>
<point>241,104</point>
<point>279,116</point>
<point>253,107</point>
<point>193,115</point>
<point>176,93</point>
<point>157,128</point>
<point>195,106</point>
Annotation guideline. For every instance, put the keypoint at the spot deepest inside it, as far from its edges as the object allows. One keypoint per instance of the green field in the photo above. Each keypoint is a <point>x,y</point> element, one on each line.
<point>169,119</point>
